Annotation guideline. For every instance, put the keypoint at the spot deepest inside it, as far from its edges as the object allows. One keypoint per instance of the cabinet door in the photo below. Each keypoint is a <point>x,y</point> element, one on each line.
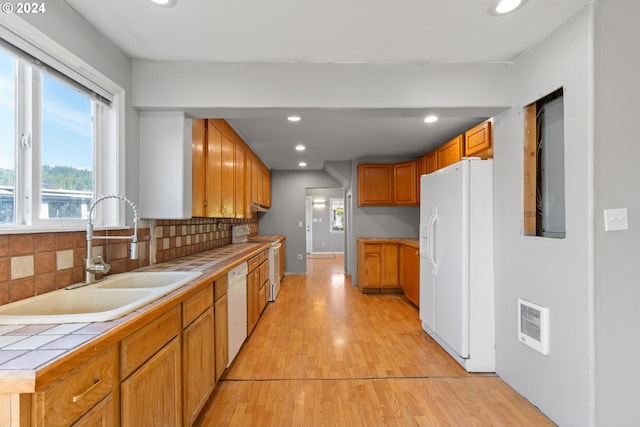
<point>198,168</point>
<point>478,140</point>
<point>410,273</point>
<point>228,178</point>
<point>432,161</point>
<point>375,184</point>
<point>389,266</point>
<point>198,365</point>
<point>266,187</point>
<point>372,266</point>
<point>101,415</point>
<point>221,334</point>
<point>405,180</point>
<point>213,177</point>
<point>240,176</point>
<point>151,395</point>
<point>253,299</point>
<point>450,152</point>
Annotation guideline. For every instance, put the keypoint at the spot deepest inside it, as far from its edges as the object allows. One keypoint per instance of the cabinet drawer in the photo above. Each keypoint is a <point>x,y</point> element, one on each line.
<point>220,287</point>
<point>140,346</point>
<point>101,415</point>
<point>264,272</point>
<point>64,401</point>
<point>254,262</point>
<point>196,305</point>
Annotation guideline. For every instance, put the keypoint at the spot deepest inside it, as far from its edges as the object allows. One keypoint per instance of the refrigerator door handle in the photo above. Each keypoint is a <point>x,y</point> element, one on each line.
<point>431,248</point>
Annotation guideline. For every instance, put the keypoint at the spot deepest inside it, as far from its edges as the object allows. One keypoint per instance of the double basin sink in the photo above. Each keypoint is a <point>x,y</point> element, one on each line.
<point>109,299</point>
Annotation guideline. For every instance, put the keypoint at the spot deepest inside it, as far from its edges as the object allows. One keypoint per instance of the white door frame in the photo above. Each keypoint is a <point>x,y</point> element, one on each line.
<point>309,220</point>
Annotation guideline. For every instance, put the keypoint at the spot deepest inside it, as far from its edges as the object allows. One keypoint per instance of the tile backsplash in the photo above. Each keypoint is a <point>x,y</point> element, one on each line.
<point>36,263</point>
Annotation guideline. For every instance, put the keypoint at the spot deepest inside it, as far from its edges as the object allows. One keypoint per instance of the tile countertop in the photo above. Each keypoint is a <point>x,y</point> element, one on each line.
<point>29,351</point>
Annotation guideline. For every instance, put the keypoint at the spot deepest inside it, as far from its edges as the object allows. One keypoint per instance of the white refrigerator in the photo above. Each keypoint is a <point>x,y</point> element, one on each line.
<point>456,262</point>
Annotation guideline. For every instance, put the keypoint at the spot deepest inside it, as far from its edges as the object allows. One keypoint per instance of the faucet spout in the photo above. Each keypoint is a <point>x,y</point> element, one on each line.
<point>97,265</point>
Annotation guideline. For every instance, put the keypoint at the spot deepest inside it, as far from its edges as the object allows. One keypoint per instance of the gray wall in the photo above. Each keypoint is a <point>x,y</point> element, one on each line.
<point>288,190</point>
<point>554,273</point>
<point>323,240</point>
<point>617,178</point>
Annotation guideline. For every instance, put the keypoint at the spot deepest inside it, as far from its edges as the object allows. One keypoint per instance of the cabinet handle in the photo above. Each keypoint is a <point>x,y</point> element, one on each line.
<point>79,397</point>
<point>206,203</point>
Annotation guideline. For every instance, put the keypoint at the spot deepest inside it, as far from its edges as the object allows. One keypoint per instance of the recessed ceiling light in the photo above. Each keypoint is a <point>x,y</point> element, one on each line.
<point>302,164</point>
<point>293,118</point>
<point>506,6</point>
<point>300,147</point>
<point>164,3</point>
<point>431,119</point>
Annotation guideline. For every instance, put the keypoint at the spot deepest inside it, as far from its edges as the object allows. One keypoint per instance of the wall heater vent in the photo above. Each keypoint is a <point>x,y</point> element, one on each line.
<point>533,326</point>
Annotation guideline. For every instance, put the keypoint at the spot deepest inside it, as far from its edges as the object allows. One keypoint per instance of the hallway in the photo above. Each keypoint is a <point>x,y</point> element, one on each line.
<point>325,354</point>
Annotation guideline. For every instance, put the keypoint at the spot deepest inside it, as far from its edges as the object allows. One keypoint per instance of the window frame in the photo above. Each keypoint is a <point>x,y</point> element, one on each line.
<point>109,129</point>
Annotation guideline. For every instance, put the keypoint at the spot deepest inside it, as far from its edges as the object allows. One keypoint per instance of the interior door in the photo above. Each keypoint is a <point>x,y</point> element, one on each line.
<point>451,257</point>
<point>308,221</point>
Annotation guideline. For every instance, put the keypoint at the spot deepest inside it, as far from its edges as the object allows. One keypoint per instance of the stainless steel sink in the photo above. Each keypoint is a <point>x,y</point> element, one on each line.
<point>120,294</point>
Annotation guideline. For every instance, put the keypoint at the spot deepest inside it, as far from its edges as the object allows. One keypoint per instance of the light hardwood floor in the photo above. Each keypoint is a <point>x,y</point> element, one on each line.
<point>324,354</point>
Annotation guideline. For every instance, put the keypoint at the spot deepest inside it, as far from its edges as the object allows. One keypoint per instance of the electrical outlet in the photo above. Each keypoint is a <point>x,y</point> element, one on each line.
<point>616,219</point>
<point>300,257</point>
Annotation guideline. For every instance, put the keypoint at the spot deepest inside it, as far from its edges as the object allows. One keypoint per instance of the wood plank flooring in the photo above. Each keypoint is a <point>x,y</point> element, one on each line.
<point>324,354</point>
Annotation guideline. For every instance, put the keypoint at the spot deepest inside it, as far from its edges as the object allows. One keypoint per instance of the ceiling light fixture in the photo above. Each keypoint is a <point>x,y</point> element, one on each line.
<point>431,119</point>
<point>300,147</point>
<point>164,3</point>
<point>302,164</point>
<point>293,118</point>
<point>505,6</point>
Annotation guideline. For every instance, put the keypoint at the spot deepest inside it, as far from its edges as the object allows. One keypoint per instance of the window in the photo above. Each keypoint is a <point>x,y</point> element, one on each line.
<point>337,215</point>
<point>56,136</point>
<point>544,196</point>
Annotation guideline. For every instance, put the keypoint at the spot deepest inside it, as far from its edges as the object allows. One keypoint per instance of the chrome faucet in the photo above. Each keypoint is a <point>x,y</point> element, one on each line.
<point>97,265</point>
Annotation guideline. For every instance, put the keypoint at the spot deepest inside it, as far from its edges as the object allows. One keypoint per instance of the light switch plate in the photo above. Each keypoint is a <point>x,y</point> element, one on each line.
<point>616,219</point>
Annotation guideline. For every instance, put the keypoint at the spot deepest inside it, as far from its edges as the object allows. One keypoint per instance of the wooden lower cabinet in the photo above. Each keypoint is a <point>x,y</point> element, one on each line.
<point>198,364</point>
<point>253,299</point>
<point>152,396</point>
<point>377,266</point>
<point>410,273</point>
<point>221,334</point>
<point>101,415</point>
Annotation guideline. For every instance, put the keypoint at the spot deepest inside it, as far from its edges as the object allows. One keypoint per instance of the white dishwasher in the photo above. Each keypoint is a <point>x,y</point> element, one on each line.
<point>237,294</point>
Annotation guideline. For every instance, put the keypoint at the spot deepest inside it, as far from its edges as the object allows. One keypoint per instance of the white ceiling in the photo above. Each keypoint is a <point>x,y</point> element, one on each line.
<point>329,31</point>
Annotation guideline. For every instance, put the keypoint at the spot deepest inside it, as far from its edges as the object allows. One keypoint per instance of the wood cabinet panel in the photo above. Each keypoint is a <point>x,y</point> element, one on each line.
<point>213,172</point>
<point>101,415</point>
<point>405,183</point>
<point>479,140</point>
<point>151,395</point>
<point>239,166</point>
<point>450,152</point>
<point>432,162</point>
<point>410,273</point>
<point>389,266</point>
<point>196,305</point>
<point>140,346</point>
<point>221,323</point>
<point>198,168</point>
<point>67,399</point>
<point>198,364</point>
<point>228,178</point>
<point>253,299</point>
<point>375,184</point>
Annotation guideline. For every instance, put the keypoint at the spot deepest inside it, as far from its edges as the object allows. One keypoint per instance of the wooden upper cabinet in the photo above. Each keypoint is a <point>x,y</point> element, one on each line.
<point>239,165</point>
<point>375,184</point>
<point>431,162</point>
<point>405,183</point>
<point>198,167</point>
<point>450,152</point>
<point>479,140</point>
<point>228,178</point>
<point>213,180</point>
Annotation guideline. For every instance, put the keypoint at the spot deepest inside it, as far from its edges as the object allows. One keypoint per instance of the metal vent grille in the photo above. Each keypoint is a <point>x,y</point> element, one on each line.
<point>533,326</point>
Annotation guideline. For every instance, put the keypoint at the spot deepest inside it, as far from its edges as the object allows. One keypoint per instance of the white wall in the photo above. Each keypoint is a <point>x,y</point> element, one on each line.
<point>617,178</point>
<point>555,273</point>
